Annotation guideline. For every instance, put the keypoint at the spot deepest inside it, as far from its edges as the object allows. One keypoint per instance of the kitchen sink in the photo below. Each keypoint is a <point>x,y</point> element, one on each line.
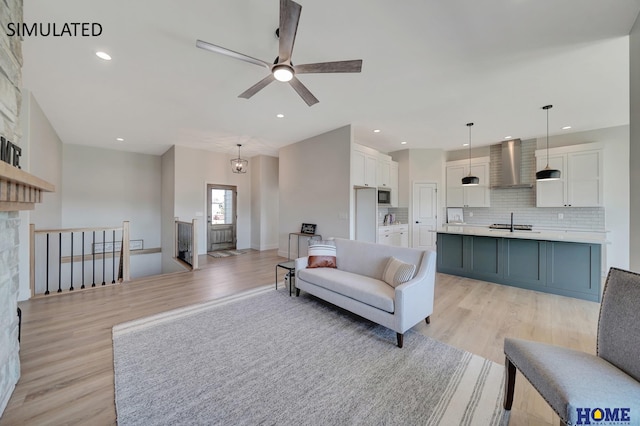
<point>515,231</point>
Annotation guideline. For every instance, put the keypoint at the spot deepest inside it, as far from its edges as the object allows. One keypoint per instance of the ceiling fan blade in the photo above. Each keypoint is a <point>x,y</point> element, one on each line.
<point>289,18</point>
<point>257,87</point>
<point>338,66</point>
<point>224,51</point>
<point>302,90</point>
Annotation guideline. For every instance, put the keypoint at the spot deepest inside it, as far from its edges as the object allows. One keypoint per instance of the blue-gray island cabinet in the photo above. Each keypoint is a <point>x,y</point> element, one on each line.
<point>566,268</point>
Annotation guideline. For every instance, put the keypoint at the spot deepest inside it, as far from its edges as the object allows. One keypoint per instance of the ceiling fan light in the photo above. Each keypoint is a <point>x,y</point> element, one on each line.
<point>282,73</point>
<point>470,181</point>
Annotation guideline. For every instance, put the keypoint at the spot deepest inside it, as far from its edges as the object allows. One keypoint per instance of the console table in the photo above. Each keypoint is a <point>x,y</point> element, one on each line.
<point>300,234</point>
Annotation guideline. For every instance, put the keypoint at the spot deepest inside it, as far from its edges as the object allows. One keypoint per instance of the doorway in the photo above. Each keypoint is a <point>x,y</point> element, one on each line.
<point>425,200</point>
<point>221,217</point>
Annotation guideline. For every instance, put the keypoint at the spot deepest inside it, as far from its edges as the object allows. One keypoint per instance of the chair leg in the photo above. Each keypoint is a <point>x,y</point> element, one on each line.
<point>400,339</point>
<point>428,320</point>
<point>509,383</point>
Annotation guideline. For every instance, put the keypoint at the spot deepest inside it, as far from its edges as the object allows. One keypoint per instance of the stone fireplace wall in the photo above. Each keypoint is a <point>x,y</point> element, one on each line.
<point>9,282</point>
<point>10,101</point>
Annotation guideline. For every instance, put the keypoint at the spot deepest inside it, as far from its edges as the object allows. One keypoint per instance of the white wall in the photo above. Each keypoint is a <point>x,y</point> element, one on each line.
<point>314,184</point>
<point>168,212</point>
<point>420,165</point>
<point>193,170</point>
<point>634,152</point>
<point>42,157</point>
<point>264,202</point>
<point>103,187</point>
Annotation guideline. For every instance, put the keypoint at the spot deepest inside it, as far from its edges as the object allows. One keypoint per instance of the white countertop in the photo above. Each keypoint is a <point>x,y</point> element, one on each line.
<point>394,226</point>
<point>574,236</point>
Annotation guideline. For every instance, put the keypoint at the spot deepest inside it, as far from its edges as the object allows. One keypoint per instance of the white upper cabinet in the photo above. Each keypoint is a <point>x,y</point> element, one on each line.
<point>580,183</point>
<point>394,184</point>
<point>384,171</point>
<point>364,166</point>
<point>468,196</point>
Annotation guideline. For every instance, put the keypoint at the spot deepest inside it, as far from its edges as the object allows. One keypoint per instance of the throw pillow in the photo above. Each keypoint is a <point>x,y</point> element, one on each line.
<point>322,254</point>
<point>397,272</point>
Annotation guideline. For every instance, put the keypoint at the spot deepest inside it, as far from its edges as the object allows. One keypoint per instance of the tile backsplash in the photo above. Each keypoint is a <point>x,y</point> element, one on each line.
<point>522,201</point>
<point>402,214</point>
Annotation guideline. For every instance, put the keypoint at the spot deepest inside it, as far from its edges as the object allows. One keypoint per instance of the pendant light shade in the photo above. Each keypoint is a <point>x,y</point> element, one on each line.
<point>470,180</point>
<point>238,165</point>
<point>548,173</point>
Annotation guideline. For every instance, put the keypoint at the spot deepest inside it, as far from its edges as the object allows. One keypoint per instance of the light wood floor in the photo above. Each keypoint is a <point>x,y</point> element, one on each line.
<point>67,359</point>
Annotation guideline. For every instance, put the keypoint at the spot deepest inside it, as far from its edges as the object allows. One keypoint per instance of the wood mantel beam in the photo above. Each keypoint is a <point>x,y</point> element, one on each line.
<point>20,190</point>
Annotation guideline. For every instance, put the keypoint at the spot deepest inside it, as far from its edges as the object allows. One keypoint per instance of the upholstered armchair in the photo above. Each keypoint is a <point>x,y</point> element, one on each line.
<point>586,389</point>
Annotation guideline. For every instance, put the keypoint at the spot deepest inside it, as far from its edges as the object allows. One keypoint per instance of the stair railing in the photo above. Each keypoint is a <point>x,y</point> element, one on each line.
<point>78,258</point>
<point>186,242</point>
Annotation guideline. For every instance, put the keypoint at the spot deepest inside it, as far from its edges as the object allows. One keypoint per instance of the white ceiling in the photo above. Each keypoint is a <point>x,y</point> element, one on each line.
<point>429,67</point>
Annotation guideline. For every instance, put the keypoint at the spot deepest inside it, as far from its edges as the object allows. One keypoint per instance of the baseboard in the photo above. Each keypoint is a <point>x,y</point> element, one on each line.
<point>264,247</point>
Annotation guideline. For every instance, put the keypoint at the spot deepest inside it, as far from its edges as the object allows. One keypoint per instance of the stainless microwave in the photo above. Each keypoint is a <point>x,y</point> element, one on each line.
<point>384,197</point>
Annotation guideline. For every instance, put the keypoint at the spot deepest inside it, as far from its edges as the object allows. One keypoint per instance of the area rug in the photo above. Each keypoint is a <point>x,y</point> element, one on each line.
<point>225,253</point>
<point>263,357</point>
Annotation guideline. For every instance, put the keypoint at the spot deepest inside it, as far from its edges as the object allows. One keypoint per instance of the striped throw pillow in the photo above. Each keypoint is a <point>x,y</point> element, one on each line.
<point>322,254</point>
<point>397,272</point>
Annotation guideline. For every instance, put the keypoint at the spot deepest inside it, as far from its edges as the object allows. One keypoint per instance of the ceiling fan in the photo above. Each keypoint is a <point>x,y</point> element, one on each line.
<point>283,69</point>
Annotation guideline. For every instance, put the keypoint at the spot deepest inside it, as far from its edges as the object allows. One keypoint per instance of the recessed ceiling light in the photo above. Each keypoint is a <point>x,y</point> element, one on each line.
<point>465,144</point>
<point>120,139</point>
<point>566,127</point>
<point>376,131</point>
<point>508,137</point>
<point>280,115</point>
<point>403,143</point>
<point>103,55</point>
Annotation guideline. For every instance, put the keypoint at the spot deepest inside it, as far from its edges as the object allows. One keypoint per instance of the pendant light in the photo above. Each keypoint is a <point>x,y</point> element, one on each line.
<point>548,173</point>
<point>238,165</point>
<point>470,180</point>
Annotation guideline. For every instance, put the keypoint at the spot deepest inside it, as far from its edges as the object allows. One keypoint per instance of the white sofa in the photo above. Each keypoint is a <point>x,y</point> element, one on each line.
<point>357,286</point>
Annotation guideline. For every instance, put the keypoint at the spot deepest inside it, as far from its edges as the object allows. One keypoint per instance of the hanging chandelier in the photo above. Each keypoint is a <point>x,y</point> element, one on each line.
<point>548,173</point>
<point>470,180</point>
<point>238,165</point>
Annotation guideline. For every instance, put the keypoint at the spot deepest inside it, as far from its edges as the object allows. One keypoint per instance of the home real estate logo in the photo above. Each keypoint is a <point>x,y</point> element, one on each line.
<point>619,416</point>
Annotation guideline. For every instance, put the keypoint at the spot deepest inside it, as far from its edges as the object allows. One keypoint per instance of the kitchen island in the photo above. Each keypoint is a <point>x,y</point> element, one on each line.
<point>567,263</point>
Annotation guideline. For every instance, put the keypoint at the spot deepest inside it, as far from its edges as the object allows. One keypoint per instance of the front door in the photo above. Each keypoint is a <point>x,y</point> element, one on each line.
<point>221,215</point>
<point>425,201</point>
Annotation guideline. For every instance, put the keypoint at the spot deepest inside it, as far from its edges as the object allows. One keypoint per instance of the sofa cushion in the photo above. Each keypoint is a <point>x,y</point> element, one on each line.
<point>367,290</point>
<point>370,259</point>
<point>397,272</point>
<point>321,254</point>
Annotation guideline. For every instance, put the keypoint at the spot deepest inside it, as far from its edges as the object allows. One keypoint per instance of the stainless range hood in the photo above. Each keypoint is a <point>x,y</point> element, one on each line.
<point>511,166</point>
